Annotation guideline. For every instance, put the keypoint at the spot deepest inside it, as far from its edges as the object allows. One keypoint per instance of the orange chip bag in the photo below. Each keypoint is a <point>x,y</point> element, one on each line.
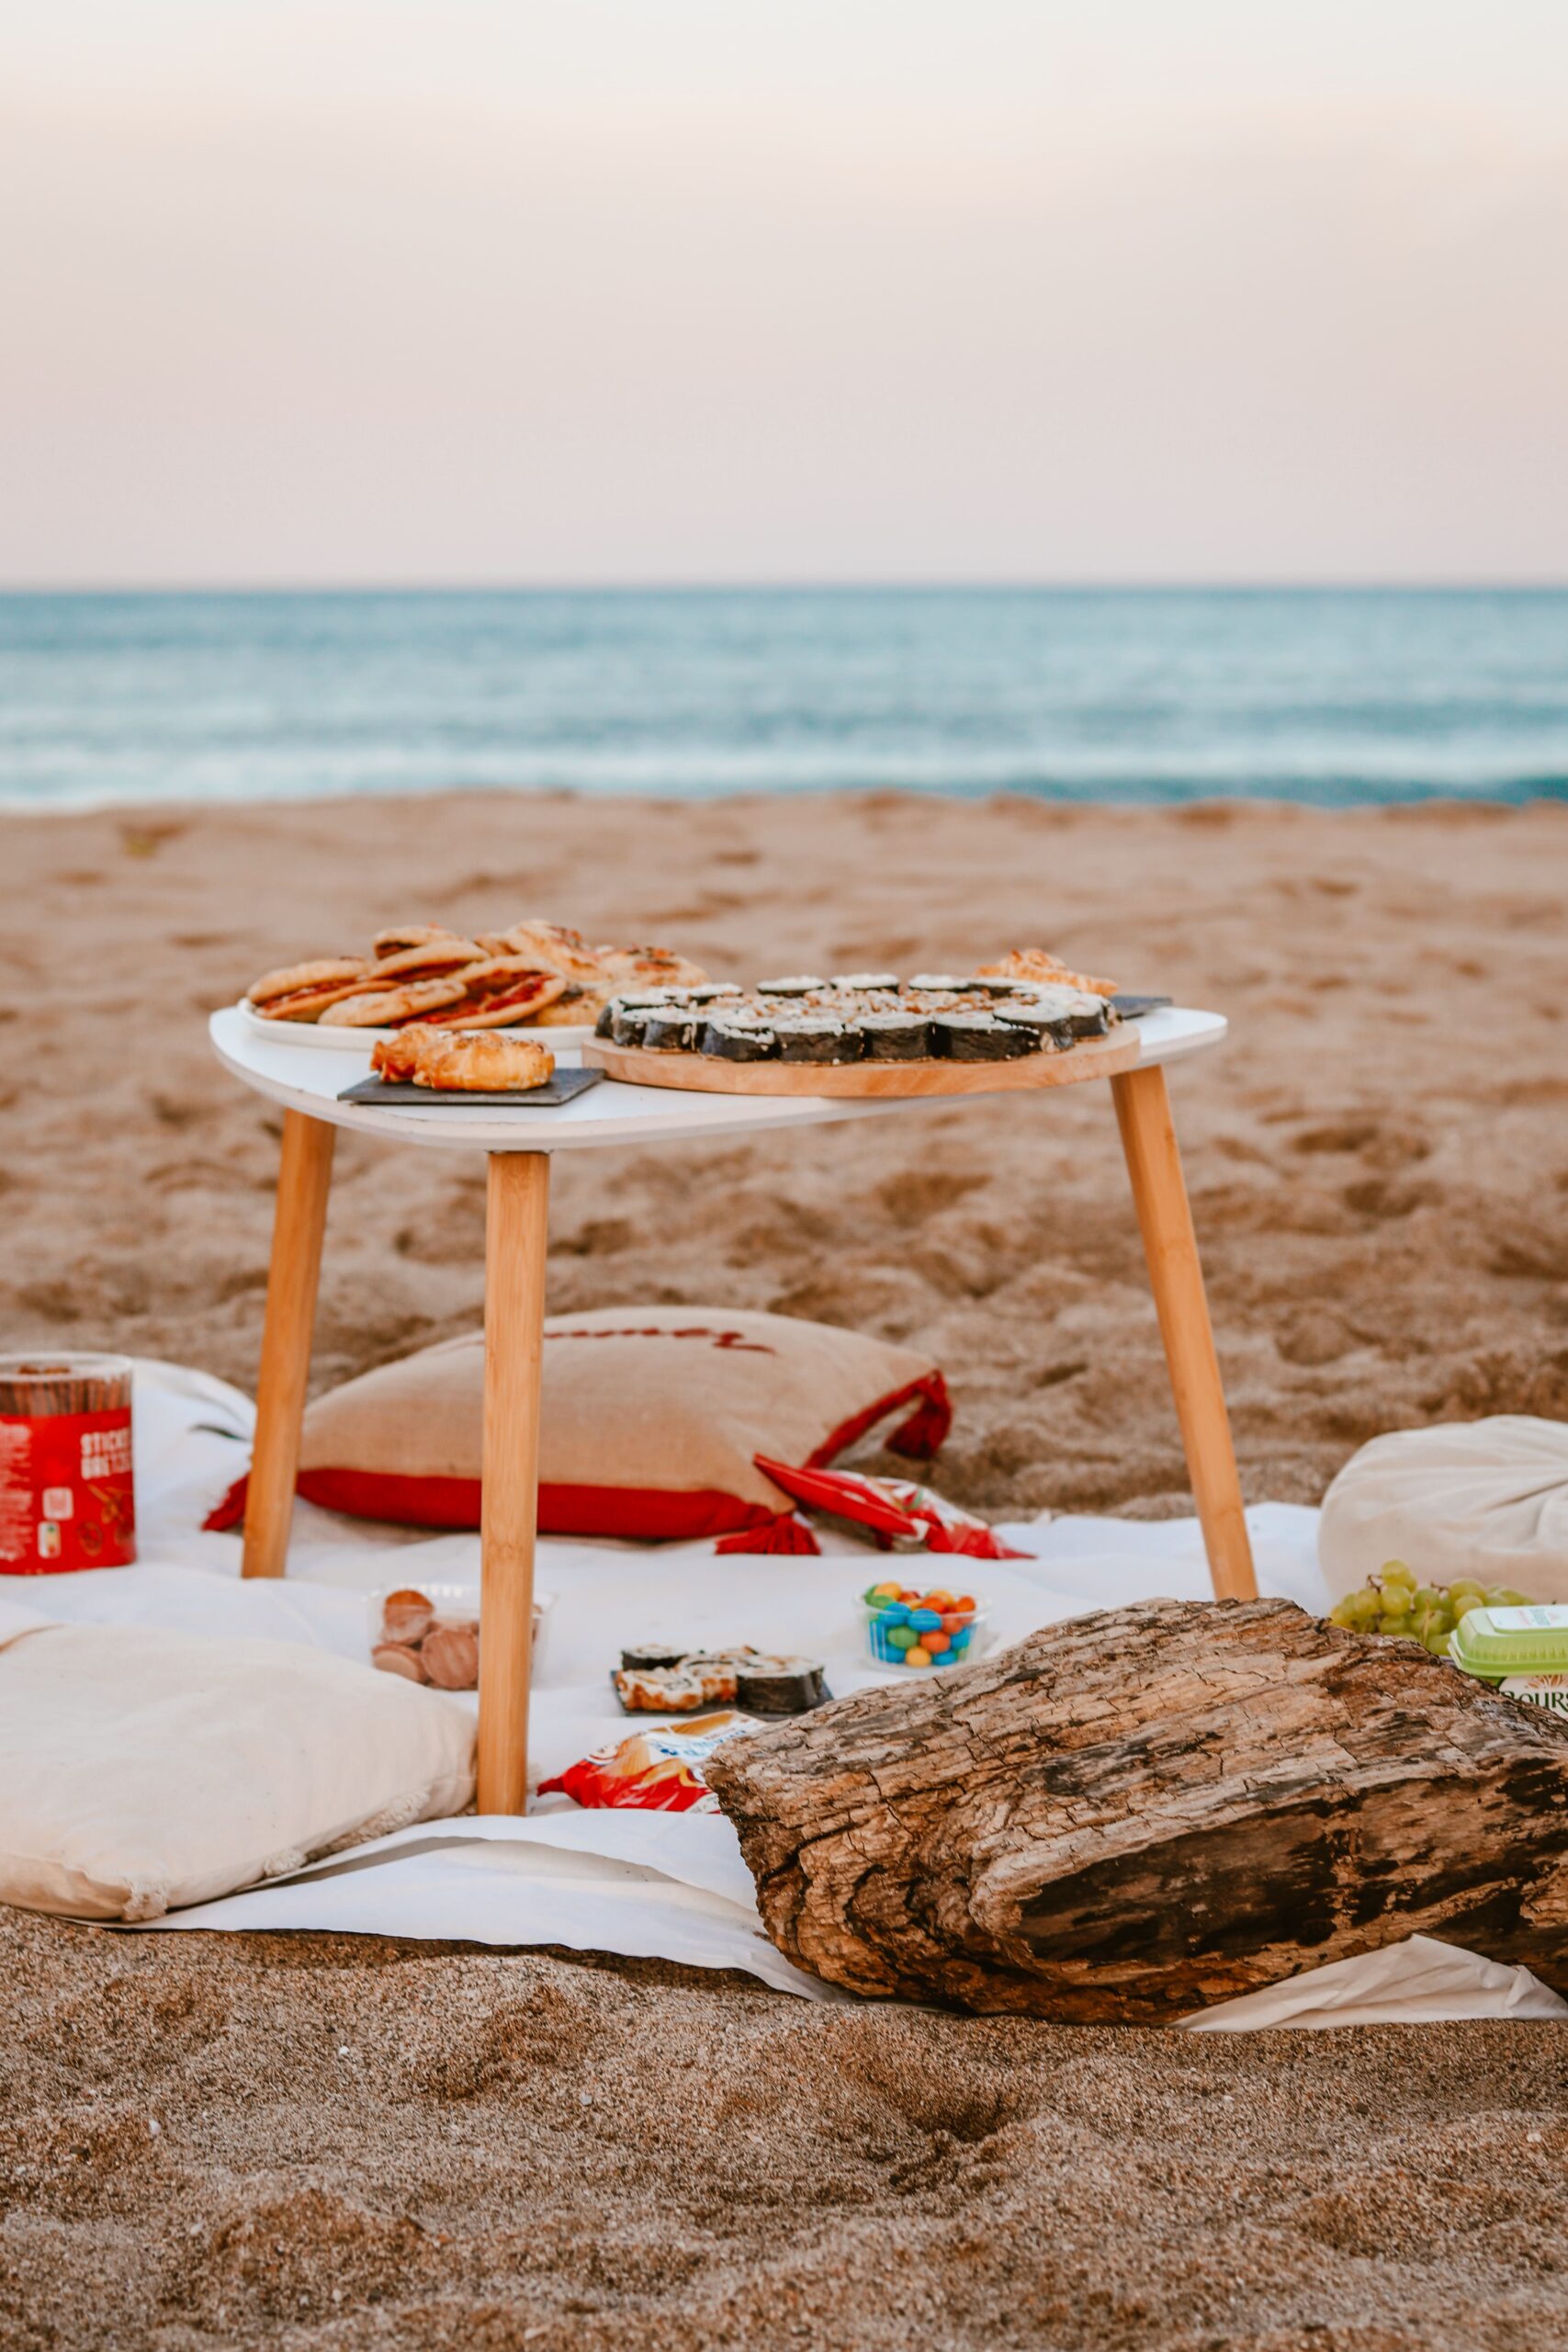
<point>661,1771</point>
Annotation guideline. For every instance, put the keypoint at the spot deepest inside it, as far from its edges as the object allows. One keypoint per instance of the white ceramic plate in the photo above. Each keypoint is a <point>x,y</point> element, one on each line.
<point>323,1037</point>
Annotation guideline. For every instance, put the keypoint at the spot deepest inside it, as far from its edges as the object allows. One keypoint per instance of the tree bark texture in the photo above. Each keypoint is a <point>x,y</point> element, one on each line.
<point>1142,1812</point>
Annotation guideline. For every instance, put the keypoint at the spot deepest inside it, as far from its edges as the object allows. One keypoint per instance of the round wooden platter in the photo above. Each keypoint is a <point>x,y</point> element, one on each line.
<point>706,1074</point>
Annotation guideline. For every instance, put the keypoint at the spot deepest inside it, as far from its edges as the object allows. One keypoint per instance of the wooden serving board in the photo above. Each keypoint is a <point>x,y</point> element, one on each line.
<point>706,1074</point>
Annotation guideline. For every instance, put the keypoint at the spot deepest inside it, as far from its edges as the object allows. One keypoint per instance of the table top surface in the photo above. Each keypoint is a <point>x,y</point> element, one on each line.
<point>310,1079</point>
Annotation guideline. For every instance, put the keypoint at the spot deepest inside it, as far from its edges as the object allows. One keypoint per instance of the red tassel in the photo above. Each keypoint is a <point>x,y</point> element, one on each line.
<point>784,1533</point>
<point>230,1510</point>
<point>920,1436</point>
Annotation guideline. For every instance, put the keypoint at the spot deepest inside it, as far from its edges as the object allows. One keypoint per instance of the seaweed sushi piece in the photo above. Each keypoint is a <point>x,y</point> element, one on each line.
<point>1085,1015</point>
<point>817,1040</point>
<point>652,1657</point>
<point>778,1685</point>
<point>981,1037</point>
<point>628,1023</point>
<point>1049,1030</point>
<point>799,984</point>
<point>895,1037</point>
<point>711,990</point>
<point>671,1028</point>
<point>940,983</point>
<point>605,1024</point>
<point>864,981</point>
<point>740,1041</point>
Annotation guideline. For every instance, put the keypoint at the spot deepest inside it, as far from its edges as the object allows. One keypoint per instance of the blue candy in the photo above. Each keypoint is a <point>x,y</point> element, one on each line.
<point>896,1613</point>
<point>926,1621</point>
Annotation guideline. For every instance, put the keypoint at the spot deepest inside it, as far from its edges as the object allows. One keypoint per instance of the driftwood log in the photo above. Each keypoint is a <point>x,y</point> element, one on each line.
<point>1140,1813</point>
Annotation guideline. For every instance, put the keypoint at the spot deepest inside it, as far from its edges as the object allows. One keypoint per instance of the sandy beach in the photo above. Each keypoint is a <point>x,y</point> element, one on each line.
<point>351,2141</point>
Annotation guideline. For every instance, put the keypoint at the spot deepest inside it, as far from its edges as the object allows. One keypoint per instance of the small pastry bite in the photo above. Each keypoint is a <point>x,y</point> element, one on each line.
<point>555,947</point>
<point>406,1616</point>
<point>625,967</point>
<point>573,1005</point>
<point>472,1061</point>
<point>428,960</point>
<point>389,1008</point>
<point>399,937</point>
<point>504,991</point>
<point>304,992</point>
<point>450,1655</point>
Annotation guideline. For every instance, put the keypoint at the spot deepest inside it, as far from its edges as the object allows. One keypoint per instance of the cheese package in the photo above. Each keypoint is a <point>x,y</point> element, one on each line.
<point>1497,1644</point>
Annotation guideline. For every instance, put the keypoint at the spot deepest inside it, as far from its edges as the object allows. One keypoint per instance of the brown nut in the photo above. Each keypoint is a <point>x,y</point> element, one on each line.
<point>396,1657</point>
<point>450,1655</point>
<point>406,1616</point>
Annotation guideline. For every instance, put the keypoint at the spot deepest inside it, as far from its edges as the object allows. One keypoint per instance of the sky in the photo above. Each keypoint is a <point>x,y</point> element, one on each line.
<point>298,292</point>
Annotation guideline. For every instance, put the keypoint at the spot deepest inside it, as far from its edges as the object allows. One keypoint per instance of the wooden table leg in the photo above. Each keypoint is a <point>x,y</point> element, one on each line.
<point>1154,1164</point>
<point>304,1178</point>
<point>517,1216</point>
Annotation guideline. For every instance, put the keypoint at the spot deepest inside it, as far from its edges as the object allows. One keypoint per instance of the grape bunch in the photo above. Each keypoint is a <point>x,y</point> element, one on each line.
<point>1393,1602</point>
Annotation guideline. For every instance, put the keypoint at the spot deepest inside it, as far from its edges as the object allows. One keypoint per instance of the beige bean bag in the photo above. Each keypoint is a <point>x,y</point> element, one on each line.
<point>1487,1500</point>
<point>140,1770</point>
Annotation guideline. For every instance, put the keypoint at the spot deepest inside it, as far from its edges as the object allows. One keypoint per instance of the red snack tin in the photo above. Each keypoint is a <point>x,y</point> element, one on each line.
<point>67,1494</point>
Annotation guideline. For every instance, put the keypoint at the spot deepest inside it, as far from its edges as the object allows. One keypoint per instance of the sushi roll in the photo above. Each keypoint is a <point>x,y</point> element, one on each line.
<point>800,984</point>
<point>1050,1032</point>
<point>980,1037</point>
<point>710,991</point>
<point>778,1685</point>
<point>822,1039</point>
<point>605,1024</point>
<point>670,1029</point>
<point>895,1037</point>
<point>937,983</point>
<point>628,1023</point>
<point>651,1657</point>
<point>740,1041</point>
<point>1084,1015</point>
<point>864,981</point>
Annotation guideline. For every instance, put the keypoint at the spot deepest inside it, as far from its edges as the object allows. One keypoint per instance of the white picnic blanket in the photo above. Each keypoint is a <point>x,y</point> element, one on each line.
<point>663,1885</point>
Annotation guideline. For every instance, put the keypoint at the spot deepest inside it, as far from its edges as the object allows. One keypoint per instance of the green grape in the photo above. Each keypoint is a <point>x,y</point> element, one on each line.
<point>1395,1626</point>
<point>1362,1608</point>
<point>1465,1586</point>
<point>1502,1596</point>
<point>1427,1596</point>
<point>1438,1643</point>
<point>1395,1572</point>
<point>1465,1603</point>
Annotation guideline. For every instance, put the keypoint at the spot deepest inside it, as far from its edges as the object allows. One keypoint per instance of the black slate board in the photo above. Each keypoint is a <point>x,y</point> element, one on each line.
<point>1129,1007</point>
<point>560,1087</point>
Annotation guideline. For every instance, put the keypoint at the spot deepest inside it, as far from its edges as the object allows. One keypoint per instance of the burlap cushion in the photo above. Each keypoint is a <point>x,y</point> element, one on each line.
<point>1487,1500</point>
<point>650,1419</point>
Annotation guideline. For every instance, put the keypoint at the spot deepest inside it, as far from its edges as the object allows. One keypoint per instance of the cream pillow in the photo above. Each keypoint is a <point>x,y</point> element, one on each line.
<point>1487,1500</point>
<point>140,1770</point>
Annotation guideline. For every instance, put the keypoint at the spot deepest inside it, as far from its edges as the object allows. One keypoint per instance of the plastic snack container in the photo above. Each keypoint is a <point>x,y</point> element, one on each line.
<point>451,1612</point>
<point>900,1618</point>
<point>1499,1644</point>
<point>67,1493</point>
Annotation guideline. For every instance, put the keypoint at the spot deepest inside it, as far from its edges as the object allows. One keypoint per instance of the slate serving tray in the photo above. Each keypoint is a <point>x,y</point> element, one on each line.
<point>1129,1007</point>
<point>560,1087</point>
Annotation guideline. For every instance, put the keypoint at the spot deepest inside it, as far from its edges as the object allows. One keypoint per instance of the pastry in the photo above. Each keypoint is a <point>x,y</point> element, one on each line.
<point>503,991</point>
<point>389,1008</point>
<point>303,991</point>
<point>1039,964</point>
<point>473,1061</point>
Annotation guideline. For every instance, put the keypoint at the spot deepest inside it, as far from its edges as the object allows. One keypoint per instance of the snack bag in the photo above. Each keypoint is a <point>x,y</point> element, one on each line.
<point>661,1771</point>
<point>901,1515</point>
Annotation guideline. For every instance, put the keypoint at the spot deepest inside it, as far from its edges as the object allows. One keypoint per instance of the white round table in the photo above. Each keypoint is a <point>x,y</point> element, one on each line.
<point>519,1141</point>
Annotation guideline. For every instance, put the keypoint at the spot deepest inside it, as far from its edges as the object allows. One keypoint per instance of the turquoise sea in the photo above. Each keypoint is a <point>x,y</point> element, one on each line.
<point>1326,695</point>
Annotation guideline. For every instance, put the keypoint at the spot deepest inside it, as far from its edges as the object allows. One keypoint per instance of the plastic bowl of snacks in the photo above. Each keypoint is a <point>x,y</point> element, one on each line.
<point>934,1627</point>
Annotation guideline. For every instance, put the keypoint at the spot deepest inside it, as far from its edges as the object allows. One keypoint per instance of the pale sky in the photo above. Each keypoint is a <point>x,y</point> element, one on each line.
<point>489,291</point>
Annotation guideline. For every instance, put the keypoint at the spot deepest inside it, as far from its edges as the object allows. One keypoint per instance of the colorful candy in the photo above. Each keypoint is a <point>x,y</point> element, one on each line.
<point>906,1627</point>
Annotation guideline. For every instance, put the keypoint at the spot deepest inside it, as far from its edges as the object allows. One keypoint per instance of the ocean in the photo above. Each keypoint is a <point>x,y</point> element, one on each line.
<point>1338,697</point>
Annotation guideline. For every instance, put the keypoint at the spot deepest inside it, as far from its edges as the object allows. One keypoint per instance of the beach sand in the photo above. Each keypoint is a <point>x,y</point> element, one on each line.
<point>365,2143</point>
